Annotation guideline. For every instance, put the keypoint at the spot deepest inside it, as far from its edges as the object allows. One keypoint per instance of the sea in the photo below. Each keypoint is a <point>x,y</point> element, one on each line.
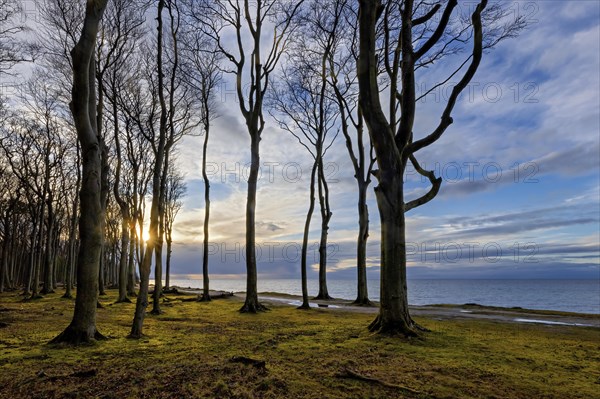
<point>580,296</point>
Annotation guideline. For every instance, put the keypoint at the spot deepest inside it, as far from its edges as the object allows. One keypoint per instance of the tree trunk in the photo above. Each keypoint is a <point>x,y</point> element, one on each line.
<point>123,262</point>
<point>38,253</point>
<point>325,218</point>
<point>83,107</point>
<point>131,265</point>
<point>251,305</point>
<point>142,299</point>
<point>303,263</point>
<point>361,247</point>
<point>205,277</point>
<point>393,315</point>
<point>158,249</point>
<point>49,258</point>
<point>168,264</point>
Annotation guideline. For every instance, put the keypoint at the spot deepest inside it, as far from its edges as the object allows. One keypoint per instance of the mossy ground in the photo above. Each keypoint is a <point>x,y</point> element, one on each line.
<point>188,350</point>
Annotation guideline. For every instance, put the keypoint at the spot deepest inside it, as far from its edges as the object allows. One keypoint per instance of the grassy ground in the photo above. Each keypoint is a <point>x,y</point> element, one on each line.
<point>308,354</point>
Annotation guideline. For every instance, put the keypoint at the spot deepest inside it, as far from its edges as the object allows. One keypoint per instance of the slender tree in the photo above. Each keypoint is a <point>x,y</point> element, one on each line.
<point>159,146</point>
<point>202,67</point>
<point>342,69</point>
<point>175,191</point>
<point>247,19</point>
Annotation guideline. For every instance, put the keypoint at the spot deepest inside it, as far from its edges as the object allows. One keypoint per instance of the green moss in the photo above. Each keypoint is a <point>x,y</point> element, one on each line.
<point>187,353</point>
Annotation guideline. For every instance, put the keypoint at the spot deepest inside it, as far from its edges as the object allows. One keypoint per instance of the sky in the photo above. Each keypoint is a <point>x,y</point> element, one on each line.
<point>520,167</point>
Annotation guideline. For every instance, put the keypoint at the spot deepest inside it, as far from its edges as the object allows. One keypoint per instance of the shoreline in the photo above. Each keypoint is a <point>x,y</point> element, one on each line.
<point>438,311</point>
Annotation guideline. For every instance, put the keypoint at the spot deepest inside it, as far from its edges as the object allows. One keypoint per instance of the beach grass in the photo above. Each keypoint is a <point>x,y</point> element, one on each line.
<point>209,350</point>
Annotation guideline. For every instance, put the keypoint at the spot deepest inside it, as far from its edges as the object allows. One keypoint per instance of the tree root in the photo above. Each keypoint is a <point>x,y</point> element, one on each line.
<point>124,300</point>
<point>348,373</point>
<point>71,336</point>
<point>322,297</point>
<point>253,307</point>
<point>406,330</point>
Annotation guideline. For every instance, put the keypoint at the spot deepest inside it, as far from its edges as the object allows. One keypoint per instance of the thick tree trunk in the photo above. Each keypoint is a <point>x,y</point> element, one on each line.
<point>251,305</point>
<point>393,315</point>
<point>361,246</point>
<point>83,107</point>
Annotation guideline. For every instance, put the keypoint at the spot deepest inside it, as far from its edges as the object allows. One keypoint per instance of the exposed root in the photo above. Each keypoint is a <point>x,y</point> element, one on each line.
<point>394,329</point>
<point>323,297</point>
<point>123,300</point>
<point>67,295</point>
<point>253,307</point>
<point>72,336</point>
<point>348,373</point>
<point>304,306</point>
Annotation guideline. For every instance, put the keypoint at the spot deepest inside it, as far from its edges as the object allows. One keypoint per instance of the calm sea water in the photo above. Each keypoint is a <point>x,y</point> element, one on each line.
<point>582,296</point>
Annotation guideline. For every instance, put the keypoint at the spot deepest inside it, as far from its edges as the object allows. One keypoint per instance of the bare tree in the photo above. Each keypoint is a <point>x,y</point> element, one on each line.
<point>174,192</point>
<point>246,20</point>
<point>159,149</point>
<point>83,106</point>
<point>411,38</point>
<point>303,105</point>
<point>202,67</point>
<point>342,69</point>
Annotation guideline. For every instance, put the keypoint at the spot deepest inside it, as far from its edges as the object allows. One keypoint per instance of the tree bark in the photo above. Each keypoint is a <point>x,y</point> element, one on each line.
<point>251,304</point>
<point>303,263</point>
<point>393,315</point>
<point>83,326</point>
<point>362,297</point>
<point>205,277</point>
<point>142,299</point>
<point>49,258</point>
<point>325,218</point>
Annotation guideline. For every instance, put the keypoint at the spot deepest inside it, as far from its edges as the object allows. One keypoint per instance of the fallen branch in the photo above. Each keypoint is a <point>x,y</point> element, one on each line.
<point>348,373</point>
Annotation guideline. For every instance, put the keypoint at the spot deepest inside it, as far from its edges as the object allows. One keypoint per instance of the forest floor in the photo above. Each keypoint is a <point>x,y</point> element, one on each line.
<point>209,350</point>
